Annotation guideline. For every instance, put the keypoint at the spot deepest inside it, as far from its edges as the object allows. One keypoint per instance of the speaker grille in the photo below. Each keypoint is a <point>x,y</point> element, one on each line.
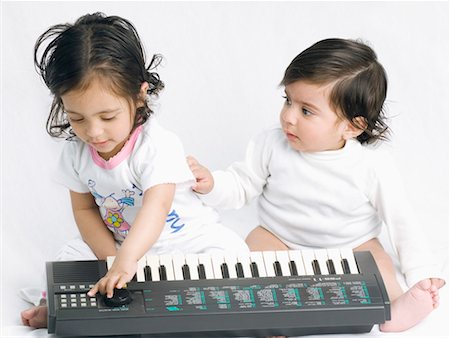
<point>70,272</point>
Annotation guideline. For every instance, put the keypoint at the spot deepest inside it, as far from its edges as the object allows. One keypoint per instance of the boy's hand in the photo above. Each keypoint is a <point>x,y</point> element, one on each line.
<point>204,179</point>
<point>120,273</point>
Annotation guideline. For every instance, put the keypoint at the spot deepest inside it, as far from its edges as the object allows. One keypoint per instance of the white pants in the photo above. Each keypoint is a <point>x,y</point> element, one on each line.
<point>208,238</point>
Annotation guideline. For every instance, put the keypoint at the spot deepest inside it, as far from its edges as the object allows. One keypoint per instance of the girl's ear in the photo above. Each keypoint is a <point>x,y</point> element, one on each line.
<point>355,128</point>
<point>143,90</point>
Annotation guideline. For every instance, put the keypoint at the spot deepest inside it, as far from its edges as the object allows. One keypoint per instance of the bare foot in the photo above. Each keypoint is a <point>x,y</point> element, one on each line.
<point>35,316</point>
<point>412,307</point>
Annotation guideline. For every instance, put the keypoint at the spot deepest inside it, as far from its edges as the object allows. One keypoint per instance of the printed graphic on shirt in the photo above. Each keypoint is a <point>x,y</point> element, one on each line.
<point>113,211</point>
<point>113,216</point>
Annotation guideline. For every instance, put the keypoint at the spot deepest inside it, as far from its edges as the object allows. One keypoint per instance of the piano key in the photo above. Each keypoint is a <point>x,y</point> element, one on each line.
<point>178,261</point>
<point>347,253</point>
<point>110,261</point>
<point>217,261</point>
<point>239,270</point>
<point>162,272</point>
<point>153,263</point>
<point>141,264</point>
<point>186,272</point>
<point>308,259</point>
<point>293,268</point>
<point>225,271</point>
<point>283,259</point>
<point>244,259</point>
<point>330,267</point>
<point>166,261</point>
<point>269,260</point>
<point>322,257</point>
<point>296,257</point>
<point>148,273</point>
<point>193,263</point>
<point>345,266</point>
<point>316,267</point>
<point>257,258</point>
<point>231,261</point>
<point>206,262</point>
<point>335,256</point>
<point>201,271</point>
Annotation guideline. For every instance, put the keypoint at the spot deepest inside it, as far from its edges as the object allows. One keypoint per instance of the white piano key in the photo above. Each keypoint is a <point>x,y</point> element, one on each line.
<point>335,256</point>
<point>257,257</point>
<point>269,260</point>
<point>153,263</point>
<point>217,260</point>
<point>166,260</point>
<point>178,261</point>
<point>308,258</point>
<point>322,257</point>
<point>231,260</point>
<point>193,262</point>
<point>283,258</point>
<point>296,256</point>
<point>244,259</point>
<point>110,261</point>
<point>140,277</point>
<point>205,260</point>
<point>347,253</point>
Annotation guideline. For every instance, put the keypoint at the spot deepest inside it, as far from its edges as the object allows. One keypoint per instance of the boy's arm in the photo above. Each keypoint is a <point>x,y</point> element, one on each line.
<point>144,232</point>
<point>91,226</point>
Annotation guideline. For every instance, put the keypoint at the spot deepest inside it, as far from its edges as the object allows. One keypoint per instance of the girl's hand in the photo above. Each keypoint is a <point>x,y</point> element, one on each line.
<point>120,273</point>
<point>204,178</point>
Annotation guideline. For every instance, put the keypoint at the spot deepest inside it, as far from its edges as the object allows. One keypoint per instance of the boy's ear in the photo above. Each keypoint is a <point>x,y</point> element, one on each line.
<point>355,128</point>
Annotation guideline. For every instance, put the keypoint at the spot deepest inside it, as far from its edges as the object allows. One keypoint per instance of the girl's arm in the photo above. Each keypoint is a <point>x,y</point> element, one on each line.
<point>144,232</point>
<point>91,226</point>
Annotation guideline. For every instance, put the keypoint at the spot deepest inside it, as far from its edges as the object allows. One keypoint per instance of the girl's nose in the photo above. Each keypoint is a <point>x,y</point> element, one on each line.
<point>93,130</point>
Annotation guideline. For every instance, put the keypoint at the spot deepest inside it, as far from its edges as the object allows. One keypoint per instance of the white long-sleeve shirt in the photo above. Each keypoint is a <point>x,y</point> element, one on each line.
<point>329,199</point>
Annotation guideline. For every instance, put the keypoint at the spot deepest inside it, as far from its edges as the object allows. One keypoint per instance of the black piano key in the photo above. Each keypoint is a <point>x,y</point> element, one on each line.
<point>330,266</point>
<point>147,273</point>
<point>134,279</point>
<point>162,273</point>
<point>345,266</point>
<point>254,269</point>
<point>186,272</point>
<point>293,268</point>
<point>239,270</point>
<point>316,267</point>
<point>225,272</point>
<point>201,271</point>
<point>277,268</point>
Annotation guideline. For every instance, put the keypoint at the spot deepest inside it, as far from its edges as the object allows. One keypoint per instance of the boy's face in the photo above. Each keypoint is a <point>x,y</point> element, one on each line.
<point>308,121</point>
<point>99,117</point>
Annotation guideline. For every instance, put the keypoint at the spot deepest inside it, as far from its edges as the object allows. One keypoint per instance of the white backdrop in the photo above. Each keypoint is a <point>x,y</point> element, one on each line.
<point>223,63</point>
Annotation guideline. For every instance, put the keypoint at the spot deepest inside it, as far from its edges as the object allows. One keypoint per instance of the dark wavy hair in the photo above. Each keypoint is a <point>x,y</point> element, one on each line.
<point>67,56</point>
<point>360,82</point>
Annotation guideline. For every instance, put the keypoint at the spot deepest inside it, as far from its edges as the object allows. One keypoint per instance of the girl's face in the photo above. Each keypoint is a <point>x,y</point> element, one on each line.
<point>309,122</point>
<point>99,117</point>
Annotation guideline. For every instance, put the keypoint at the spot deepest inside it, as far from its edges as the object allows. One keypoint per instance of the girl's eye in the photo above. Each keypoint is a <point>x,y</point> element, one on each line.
<point>108,118</point>
<point>287,101</point>
<point>72,120</point>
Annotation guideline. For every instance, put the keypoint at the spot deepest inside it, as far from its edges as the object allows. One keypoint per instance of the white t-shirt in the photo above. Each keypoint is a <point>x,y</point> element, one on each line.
<point>330,199</point>
<point>151,156</point>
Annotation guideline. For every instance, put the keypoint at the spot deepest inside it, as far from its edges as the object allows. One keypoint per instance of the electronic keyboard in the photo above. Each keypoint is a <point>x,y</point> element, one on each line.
<point>267,293</point>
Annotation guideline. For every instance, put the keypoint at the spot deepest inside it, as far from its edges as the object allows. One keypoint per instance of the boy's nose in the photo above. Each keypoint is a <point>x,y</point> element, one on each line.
<point>288,115</point>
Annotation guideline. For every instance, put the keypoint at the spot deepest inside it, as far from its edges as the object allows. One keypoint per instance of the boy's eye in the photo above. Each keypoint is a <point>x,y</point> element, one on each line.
<point>287,101</point>
<point>306,112</point>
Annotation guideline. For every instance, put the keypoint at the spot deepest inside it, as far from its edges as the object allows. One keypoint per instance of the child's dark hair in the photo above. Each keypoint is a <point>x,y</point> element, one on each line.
<point>359,82</point>
<point>95,45</point>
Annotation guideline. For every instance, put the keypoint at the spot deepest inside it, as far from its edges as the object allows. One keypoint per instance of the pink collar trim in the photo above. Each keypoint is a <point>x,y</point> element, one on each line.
<point>123,154</point>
